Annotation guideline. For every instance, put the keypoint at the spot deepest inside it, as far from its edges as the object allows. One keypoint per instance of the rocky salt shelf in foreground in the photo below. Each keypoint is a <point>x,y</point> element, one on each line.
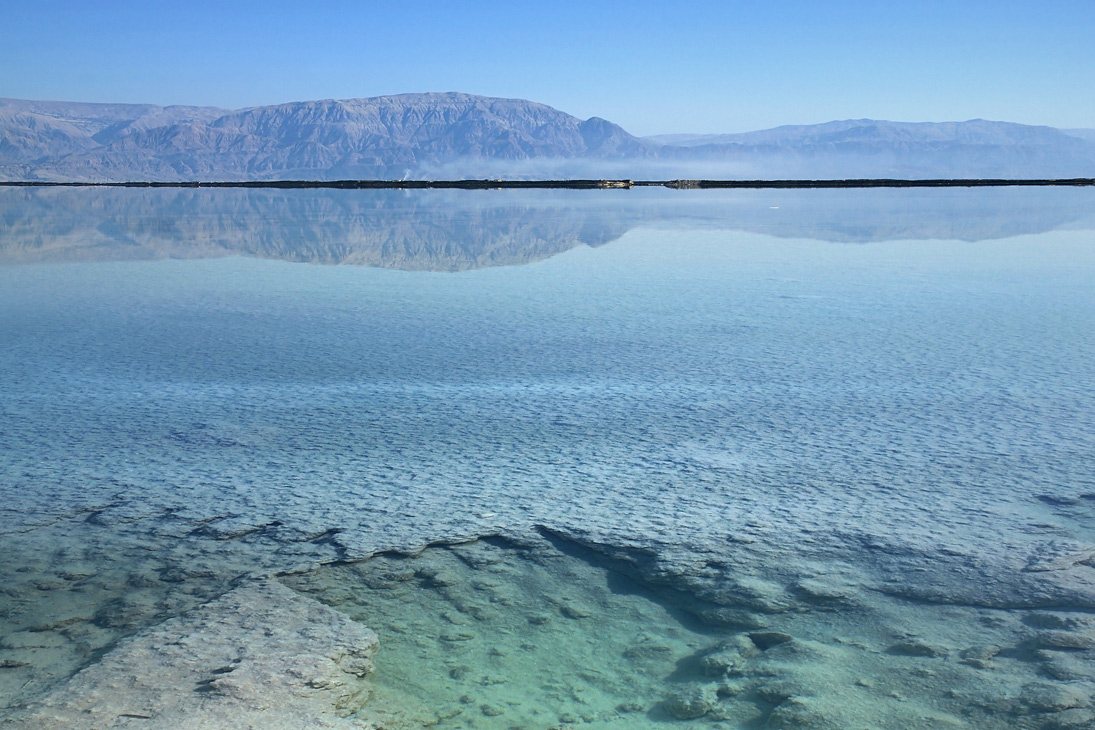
<point>259,656</point>
<point>558,628</point>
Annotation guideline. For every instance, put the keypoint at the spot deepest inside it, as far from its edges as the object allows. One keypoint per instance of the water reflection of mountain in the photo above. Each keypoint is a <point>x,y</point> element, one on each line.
<point>872,216</point>
<point>455,230</point>
<point>393,229</point>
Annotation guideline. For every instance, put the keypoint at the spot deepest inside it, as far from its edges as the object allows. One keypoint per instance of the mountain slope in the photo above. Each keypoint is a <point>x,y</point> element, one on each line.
<point>872,148</point>
<point>1085,134</point>
<point>975,131</point>
<point>453,135</point>
<point>381,136</point>
<point>34,130</point>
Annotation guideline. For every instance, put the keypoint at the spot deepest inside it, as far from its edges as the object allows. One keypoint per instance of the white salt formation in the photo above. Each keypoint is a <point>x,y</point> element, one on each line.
<point>261,656</point>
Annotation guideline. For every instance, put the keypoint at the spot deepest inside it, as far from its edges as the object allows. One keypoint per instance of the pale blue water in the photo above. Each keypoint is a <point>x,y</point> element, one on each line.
<point>712,372</point>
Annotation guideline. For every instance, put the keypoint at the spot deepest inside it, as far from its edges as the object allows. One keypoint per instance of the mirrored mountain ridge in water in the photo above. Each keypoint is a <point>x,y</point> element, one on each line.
<point>434,230</point>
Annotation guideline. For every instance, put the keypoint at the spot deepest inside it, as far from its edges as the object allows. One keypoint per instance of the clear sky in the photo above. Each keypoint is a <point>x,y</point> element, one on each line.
<point>653,67</point>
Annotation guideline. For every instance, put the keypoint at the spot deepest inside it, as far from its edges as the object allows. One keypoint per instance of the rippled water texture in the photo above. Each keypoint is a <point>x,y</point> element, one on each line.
<point>603,459</point>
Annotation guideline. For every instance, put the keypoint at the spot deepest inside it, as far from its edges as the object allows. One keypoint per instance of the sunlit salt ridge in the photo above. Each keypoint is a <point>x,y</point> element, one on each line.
<point>825,485</point>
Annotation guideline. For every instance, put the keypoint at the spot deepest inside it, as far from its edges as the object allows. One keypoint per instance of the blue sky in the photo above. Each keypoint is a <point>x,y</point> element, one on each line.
<point>653,67</point>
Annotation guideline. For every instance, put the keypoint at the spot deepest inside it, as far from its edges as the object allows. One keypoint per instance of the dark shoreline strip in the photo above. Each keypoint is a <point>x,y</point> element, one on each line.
<point>573,184</point>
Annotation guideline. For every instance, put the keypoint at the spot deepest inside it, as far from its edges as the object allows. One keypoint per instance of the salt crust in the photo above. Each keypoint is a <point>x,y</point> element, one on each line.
<point>260,656</point>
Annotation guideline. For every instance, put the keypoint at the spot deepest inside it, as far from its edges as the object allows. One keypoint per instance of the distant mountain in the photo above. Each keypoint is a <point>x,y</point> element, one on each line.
<point>1088,134</point>
<point>389,136</point>
<point>872,148</point>
<point>873,131</point>
<point>33,133</point>
<point>454,135</point>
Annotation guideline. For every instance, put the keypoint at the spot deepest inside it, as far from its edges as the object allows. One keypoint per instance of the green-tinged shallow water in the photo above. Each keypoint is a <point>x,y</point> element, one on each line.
<point>545,634</point>
<point>604,459</point>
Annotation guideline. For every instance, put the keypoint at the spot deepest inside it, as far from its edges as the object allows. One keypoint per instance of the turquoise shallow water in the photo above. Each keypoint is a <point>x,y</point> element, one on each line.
<point>861,419</point>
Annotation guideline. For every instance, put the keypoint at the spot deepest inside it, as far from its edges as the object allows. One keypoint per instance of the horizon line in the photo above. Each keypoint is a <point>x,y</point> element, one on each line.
<point>575,184</point>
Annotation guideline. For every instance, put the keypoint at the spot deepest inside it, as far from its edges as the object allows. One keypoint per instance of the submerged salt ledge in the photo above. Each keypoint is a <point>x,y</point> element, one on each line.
<point>767,637</point>
<point>258,656</point>
<point>995,632</point>
<point>887,630</point>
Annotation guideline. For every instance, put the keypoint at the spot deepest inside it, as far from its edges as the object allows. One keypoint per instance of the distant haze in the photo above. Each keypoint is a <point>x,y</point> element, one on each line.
<point>455,136</point>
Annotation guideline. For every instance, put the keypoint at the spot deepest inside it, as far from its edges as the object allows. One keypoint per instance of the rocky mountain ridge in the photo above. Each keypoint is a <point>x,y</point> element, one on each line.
<point>874,148</point>
<point>356,138</point>
<point>455,135</point>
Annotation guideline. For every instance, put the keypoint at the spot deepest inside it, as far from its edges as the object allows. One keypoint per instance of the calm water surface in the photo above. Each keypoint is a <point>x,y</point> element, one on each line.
<point>730,459</point>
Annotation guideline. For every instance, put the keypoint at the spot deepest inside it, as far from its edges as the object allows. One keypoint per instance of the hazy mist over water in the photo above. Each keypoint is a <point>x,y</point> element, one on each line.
<point>602,459</point>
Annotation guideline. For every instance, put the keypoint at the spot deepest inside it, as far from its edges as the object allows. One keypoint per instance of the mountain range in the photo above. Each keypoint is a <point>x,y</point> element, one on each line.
<point>454,135</point>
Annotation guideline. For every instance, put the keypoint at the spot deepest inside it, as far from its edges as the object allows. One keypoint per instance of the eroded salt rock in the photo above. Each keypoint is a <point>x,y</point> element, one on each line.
<point>822,592</point>
<point>692,702</point>
<point>979,656</point>
<point>765,640</point>
<point>1066,640</point>
<point>917,648</point>
<point>261,655</point>
<point>755,594</point>
<point>1053,697</point>
<point>1059,621</point>
<point>726,616</point>
<point>728,656</point>
<point>1059,555</point>
<point>799,712</point>
<point>1065,666</point>
<point>575,611</point>
<point>1073,719</point>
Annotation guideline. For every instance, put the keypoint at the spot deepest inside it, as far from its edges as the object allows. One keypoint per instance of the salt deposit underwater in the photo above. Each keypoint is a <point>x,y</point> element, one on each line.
<point>672,471</point>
